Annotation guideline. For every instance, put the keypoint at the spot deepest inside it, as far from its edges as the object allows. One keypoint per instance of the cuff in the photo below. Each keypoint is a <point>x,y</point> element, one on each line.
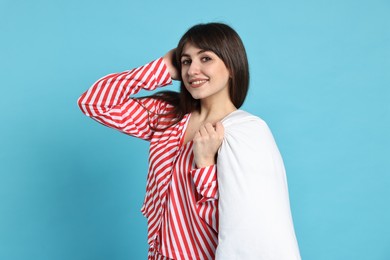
<point>160,72</point>
<point>205,180</point>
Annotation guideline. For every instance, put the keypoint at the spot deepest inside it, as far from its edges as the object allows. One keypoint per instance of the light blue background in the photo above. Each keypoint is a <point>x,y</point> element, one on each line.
<point>72,189</point>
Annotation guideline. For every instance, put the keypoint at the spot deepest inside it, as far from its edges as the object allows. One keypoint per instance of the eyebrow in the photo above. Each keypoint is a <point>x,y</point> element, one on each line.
<point>187,55</point>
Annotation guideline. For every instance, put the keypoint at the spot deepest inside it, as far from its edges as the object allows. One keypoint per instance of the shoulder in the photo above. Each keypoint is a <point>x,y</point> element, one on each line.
<point>249,139</point>
<point>246,129</point>
<point>242,120</point>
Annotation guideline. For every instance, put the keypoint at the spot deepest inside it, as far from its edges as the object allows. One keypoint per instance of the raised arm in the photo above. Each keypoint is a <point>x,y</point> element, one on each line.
<point>109,101</point>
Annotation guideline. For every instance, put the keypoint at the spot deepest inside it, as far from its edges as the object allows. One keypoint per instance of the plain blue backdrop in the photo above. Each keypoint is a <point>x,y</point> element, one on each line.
<point>72,189</point>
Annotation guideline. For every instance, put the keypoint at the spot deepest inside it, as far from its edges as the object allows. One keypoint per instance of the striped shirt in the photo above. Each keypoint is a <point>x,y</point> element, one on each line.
<point>181,201</point>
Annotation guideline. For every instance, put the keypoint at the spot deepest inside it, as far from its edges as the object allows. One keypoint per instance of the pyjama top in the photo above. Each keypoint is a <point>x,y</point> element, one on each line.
<point>181,201</point>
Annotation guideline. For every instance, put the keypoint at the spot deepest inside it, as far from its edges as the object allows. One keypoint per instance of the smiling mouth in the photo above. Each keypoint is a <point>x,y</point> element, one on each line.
<point>198,83</point>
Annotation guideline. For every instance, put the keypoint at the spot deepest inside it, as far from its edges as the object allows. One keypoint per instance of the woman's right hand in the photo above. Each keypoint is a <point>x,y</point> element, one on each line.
<point>170,61</point>
<point>206,144</point>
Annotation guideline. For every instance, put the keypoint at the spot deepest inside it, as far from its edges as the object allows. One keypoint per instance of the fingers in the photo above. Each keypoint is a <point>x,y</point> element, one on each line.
<point>207,141</point>
<point>204,131</point>
<point>216,129</point>
<point>170,61</point>
<point>208,130</point>
<point>220,129</point>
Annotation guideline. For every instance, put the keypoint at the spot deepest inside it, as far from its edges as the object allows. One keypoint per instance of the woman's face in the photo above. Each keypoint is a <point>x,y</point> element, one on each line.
<point>204,74</point>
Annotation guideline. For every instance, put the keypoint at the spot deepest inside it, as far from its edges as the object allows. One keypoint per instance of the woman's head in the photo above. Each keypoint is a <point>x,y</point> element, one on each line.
<point>224,42</point>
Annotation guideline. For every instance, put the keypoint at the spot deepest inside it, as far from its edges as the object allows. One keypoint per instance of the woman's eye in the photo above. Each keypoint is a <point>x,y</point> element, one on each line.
<point>185,62</point>
<point>204,59</point>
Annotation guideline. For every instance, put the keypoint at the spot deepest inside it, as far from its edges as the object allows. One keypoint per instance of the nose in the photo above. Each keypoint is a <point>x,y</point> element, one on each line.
<point>194,68</point>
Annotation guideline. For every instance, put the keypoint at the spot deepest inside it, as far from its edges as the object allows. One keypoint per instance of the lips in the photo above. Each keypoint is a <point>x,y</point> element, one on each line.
<point>196,83</point>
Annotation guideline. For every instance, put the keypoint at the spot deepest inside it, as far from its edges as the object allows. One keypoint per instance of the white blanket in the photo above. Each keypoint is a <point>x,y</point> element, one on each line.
<point>254,210</point>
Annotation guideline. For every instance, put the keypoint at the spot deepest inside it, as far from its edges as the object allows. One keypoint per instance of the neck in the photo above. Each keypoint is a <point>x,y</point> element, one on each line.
<point>215,111</point>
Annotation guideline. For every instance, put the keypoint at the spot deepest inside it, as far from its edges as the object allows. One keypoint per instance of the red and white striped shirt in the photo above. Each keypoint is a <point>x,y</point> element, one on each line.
<point>181,202</point>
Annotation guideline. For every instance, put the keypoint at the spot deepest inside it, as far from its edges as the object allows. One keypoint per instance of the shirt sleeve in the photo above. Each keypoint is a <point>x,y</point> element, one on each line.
<point>109,100</point>
<point>205,180</point>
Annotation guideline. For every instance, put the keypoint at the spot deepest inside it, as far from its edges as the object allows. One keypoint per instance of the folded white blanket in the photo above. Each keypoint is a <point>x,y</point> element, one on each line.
<point>254,210</point>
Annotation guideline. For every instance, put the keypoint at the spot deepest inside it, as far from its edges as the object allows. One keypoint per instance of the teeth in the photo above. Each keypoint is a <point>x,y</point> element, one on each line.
<point>198,82</point>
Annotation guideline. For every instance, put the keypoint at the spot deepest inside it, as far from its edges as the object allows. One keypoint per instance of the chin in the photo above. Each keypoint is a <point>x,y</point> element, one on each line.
<point>197,96</point>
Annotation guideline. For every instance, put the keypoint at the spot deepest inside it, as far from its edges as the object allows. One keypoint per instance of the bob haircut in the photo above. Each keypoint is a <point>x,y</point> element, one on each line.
<point>227,45</point>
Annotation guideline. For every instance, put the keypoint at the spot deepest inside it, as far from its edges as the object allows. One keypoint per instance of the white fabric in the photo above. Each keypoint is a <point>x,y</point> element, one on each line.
<point>254,210</point>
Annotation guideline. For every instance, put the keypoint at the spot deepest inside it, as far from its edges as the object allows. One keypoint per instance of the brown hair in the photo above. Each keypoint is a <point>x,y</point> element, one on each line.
<point>227,45</point>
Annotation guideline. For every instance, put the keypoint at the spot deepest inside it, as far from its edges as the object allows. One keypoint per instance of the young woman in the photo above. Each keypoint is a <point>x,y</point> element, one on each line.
<point>216,187</point>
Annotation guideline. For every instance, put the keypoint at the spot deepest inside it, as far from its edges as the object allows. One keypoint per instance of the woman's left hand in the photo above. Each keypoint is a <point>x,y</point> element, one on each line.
<point>207,141</point>
<point>170,60</point>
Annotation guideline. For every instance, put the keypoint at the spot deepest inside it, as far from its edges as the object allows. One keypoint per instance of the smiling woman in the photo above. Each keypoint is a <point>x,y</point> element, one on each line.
<point>216,187</point>
<point>205,75</point>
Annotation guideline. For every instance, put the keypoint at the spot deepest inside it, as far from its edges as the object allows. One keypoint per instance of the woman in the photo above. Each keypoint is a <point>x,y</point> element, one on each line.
<point>194,213</point>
